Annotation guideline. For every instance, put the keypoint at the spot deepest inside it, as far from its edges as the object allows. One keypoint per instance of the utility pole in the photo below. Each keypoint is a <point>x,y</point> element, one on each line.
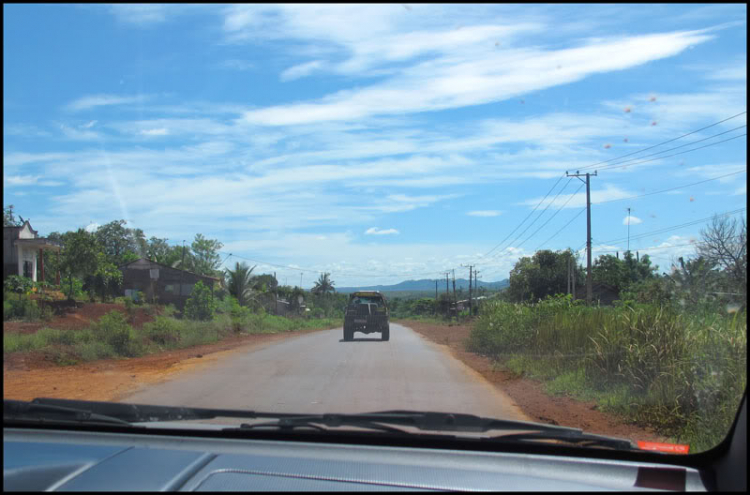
<point>470,308</point>
<point>454,285</point>
<point>447,290</point>
<point>568,286</point>
<point>182,266</point>
<point>436,296</point>
<point>589,291</point>
<point>628,229</point>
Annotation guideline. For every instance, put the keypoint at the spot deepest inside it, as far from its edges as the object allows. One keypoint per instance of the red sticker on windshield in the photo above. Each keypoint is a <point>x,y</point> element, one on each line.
<point>671,448</point>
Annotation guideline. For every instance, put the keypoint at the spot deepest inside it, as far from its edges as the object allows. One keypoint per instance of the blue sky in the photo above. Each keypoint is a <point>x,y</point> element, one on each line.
<point>377,142</point>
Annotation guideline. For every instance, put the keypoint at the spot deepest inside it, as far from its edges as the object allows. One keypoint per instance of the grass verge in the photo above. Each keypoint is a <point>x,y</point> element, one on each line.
<point>681,373</point>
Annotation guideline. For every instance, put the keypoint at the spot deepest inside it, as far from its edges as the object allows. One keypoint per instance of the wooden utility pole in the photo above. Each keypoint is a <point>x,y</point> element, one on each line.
<point>470,269</point>
<point>454,285</point>
<point>182,267</point>
<point>589,290</point>
<point>447,289</point>
<point>436,296</point>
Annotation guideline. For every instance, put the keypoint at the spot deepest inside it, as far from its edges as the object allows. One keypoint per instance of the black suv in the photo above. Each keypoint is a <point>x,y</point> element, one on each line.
<point>366,312</point>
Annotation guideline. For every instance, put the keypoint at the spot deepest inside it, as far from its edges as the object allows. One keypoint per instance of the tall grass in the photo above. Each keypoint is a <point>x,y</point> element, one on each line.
<point>681,373</point>
<point>113,336</point>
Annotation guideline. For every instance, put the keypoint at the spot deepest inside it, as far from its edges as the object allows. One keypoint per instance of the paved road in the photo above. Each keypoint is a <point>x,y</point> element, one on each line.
<point>318,372</point>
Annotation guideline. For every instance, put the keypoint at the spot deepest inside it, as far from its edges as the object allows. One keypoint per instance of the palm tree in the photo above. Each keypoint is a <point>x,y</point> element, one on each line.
<point>324,285</point>
<point>239,282</point>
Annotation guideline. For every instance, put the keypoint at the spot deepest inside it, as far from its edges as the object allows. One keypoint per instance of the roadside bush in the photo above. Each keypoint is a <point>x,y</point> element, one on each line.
<point>77,291</point>
<point>681,372</point>
<point>114,329</point>
<point>22,307</point>
<point>200,305</point>
<point>18,284</point>
<point>164,330</point>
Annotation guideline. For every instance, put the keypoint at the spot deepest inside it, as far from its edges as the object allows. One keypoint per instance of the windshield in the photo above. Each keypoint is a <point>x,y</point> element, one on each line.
<point>201,201</point>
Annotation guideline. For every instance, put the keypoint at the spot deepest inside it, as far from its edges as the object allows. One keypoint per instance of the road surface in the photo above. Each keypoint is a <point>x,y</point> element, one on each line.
<point>320,373</point>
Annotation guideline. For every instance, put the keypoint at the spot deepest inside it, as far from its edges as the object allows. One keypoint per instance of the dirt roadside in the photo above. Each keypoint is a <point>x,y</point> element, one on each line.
<point>113,379</point>
<point>529,394</point>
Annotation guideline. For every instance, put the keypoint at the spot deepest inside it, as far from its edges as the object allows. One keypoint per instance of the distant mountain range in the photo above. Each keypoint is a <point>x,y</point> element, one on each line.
<point>425,285</point>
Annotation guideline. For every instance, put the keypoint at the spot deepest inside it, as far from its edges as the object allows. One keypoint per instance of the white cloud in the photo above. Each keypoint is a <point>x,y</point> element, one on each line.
<point>484,213</point>
<point>91,227</point>
<point>578,200</point>
<point>100,100</point>
<point>740,190</point>
<point>89,124</point>
<point>79,135</point>
<point>377,231</point>
<point>633,220</point>
<point>28,180</point>
<point>301,70</point>
<point>490,76</point>
<point>155,132</point>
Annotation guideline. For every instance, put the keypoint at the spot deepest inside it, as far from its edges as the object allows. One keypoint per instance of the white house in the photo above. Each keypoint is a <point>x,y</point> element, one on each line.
<point>22,250</point>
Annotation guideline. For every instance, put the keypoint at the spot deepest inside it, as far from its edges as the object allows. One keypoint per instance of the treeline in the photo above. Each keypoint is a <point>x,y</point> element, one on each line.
<point>716,275</point>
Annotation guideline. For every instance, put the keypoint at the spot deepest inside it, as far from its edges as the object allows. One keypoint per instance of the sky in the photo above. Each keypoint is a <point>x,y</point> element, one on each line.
<point>379,143</point>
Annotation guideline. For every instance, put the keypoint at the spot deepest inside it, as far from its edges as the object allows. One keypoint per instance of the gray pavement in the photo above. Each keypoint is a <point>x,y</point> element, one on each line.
<point>319,373</point>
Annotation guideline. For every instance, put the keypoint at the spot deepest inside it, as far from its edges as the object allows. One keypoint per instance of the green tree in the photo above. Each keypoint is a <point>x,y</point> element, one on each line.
<point>622,273</point>
<point>121,244</point>
<point>324,284</point>
<point>79,256</point>
<point>206,259</point>
<point>544,274</point>
<point>240,283</point>
<point>200,306</point>
<point>157,250</point>
<point>106,281</point>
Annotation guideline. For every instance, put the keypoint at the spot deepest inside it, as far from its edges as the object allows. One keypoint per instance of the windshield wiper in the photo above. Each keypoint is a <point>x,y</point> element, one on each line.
<point>386,421</point>
<point>16,409</point>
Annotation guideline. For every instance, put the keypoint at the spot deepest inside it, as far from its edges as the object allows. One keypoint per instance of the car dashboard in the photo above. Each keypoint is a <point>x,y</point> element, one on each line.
<point>69,460</point>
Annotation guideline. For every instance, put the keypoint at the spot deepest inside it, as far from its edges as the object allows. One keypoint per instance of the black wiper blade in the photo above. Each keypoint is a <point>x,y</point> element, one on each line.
<point>581,439</point>
<point>16,409</point>
<point>115,411</point>
<point>423,421</point>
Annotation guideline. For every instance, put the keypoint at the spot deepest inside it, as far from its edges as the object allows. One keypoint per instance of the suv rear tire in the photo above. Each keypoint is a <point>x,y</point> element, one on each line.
<point>385,334</point>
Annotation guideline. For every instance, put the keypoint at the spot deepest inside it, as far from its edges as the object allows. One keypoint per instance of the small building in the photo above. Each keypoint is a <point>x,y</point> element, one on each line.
<point>166,284</point>
<point>23,249</point>
<point>602,293</point>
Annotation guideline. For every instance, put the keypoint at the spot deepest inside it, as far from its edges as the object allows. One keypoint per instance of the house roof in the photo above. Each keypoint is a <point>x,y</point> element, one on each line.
<point>40,242</point>
<point>170,267</point>
<point>20,227</point>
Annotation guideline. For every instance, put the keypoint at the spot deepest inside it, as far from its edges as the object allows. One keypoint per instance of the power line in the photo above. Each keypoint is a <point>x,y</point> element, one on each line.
<point>527,216</point>
<point>563,227</point>
<point>672,149</point>
<point>676,227</point>
<point>664,142</point>
<point>672,188</point>
<point>553,215</point>
<point>670,156</point>
<point>538,216</point>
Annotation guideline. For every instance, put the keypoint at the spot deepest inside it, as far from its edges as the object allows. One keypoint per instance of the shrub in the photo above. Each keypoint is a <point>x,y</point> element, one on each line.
<point>18,284</point>
<point>77,288</point>
<point>114,329</point>
<point>21,306</point>
<point>163,330</point>
<point>200,305</point>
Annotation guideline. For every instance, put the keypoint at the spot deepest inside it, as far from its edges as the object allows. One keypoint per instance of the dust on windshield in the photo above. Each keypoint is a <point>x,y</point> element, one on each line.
<point>552,196</point>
